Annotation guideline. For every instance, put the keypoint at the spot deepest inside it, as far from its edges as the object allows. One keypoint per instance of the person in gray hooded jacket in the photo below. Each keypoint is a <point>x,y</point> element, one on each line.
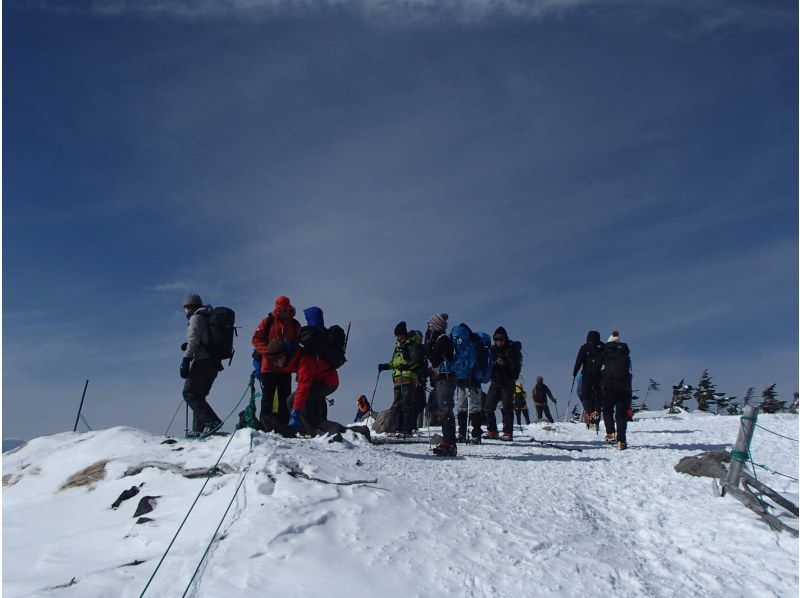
<point>198,368</point>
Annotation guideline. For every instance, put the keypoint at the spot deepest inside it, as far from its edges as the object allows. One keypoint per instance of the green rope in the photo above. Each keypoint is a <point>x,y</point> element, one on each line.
<point>743,456</point>
<point>773,471</point>
<point>776,434</point>
<point>86,423</point>
<point>191,508</point>
<point>216,531</point>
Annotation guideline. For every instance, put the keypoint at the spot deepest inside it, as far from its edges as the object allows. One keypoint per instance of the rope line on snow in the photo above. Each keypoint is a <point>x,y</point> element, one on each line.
<point>776,434</point>
<point>773,471</point>
<point>191,508</point>
<point>86,423</point>
<point>216,531</point>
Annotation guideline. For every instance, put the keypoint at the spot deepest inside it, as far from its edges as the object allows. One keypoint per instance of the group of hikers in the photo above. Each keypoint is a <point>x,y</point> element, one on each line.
<point>457,364</point>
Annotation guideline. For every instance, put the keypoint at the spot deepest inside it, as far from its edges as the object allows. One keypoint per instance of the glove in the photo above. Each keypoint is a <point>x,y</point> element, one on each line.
<point>185,364</point>
<point>382,367</point>
<point>294,420</point>
<point>183,346</point>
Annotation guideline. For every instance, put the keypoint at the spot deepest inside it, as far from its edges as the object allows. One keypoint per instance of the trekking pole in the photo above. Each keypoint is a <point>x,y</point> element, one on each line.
<point>186,427</point>
<point>347,335</point>
<point>173,417</point>
<point>566,415</point>
<point>374,390</point>
<point>558,417</point>
<point>80,407</point>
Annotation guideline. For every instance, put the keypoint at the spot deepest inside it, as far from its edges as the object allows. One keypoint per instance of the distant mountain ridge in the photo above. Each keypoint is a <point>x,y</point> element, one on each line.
<point>12,443</point>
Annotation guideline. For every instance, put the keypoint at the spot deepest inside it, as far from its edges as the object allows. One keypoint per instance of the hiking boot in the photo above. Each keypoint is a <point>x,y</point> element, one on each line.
<point>475,440</point>
<point>445,450</point>
<point>506,437</point>
<point>622,445</point>
<point>462,439</point>
<point>400,435</point>
<point>490,436</point>
<point>611,438</point>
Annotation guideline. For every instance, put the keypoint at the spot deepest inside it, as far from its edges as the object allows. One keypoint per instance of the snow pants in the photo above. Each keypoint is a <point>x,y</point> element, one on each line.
<point>272,382</point>
<point>445,387</point>
<point>316,408</point>
<point>404,408</point>
<point>591,394</point>
<point>520,413</point>
<point>540,409</point>
<point>615,407</point>
<point>202,374</point>
<point>420,397</point>
<point>468,405</point>
<point>501,393</point>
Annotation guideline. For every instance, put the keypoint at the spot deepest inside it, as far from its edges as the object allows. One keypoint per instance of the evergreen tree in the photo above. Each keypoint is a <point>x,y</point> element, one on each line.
<point>722,401</point>
<point>770,402</point>
<point>638,406</point>
<point>680,394</point>
<point>735,408</point>
<point>749,396</point>
<point>704,393</point>
<point>652,386</point>
<point>793,408</point>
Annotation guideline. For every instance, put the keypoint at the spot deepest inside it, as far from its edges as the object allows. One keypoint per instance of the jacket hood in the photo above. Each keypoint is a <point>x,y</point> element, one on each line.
<point>502,332</point>
<point>539,380</point>
<point>593,337</point>
<point>314,317</point>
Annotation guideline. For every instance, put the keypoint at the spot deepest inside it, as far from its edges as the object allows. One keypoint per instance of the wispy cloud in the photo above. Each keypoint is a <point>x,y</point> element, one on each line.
<point>172,287</point>
<point>707,14</point>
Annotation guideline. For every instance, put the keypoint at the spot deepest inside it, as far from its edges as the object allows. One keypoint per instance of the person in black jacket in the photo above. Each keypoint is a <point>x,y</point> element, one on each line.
<point>506,365</point>
<point>590,360</point>
<point>439,352</point>
<point>617,388</point>
<point>540,394</point>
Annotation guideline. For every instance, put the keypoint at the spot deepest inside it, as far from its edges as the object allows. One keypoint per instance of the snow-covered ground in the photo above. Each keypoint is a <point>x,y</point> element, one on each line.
<point>518,519</point>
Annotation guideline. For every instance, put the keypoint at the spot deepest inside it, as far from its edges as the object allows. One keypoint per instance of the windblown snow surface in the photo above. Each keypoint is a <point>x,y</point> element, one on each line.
<point>511,519</point>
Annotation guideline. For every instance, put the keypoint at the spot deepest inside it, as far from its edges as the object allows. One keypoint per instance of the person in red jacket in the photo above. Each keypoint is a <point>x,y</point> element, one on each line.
<point>315,381</point>
<point>280,324</point>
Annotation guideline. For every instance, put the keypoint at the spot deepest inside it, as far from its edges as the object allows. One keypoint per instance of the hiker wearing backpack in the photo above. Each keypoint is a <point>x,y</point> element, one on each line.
<point>590,363</point>
<point>617,383</point>
<point>520,404</point>
<point>422,379</point>
<point>279,324</point>
<point>406,360</point>
<point>198,367</point>
<point>439,353</point>
<point>506,366</point>
<point>468,402</point>
<point>316,380</point>
<point>541,392</point>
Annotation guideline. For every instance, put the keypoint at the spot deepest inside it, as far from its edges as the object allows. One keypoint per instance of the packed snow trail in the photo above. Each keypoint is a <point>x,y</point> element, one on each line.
<point>501,519</point>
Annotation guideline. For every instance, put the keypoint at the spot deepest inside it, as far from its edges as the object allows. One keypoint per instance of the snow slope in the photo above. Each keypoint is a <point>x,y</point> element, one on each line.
<point>517,519</point>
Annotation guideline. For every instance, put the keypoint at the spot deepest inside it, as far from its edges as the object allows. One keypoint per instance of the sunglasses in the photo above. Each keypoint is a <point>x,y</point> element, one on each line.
<point>499,339</point>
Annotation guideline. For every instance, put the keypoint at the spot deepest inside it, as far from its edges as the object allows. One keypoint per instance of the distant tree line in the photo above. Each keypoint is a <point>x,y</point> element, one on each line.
<point>709,399</point>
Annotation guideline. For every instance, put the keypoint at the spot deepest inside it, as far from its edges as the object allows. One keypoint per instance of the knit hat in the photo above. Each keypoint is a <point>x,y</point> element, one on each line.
<point>438,322</point>
<point>282,302</point>
<point>500,332</point>
<point>614,336</point>
<point>401,329</point>
<point>314,317</point>
<point>193,299</point>
<point>275,347</point>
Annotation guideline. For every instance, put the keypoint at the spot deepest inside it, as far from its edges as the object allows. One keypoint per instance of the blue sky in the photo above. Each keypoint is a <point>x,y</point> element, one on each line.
<point>551,166</point>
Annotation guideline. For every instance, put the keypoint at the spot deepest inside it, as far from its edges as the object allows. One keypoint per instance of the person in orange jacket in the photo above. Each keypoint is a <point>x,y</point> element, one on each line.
<point>279,324</point>
<point>363,407</point>
<point>315,381</point>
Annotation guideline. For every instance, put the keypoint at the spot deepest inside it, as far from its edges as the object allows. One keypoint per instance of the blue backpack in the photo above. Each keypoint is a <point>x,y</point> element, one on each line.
<point>464,358</point>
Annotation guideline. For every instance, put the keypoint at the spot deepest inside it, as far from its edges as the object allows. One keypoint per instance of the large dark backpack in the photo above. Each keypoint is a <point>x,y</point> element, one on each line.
<point>483,353</point>
<point>617,372</point>
<point>326,343</point>
<point>221,330</point>
<point>593,362</point>
<point>516,350</point>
